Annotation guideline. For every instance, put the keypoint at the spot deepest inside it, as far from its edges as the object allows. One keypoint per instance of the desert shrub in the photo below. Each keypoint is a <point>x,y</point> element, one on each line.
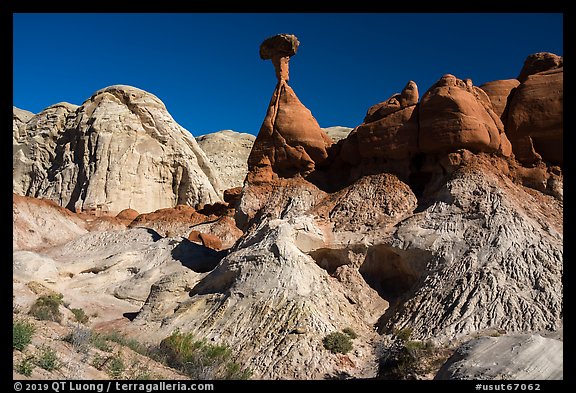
<point>80,338</point>
<point>131,343</point>
<point>22,333</point>
<point>25,366</point>
<point>337,342</point>
<point>412,359</point>
<point>47,359</point>
<point>80,315</point>
<point>197,358</point>
<point>115,367</point>
<point>403,334</point>
<point>99,341</point>
<point>47,308</point>
<point>350,333</point>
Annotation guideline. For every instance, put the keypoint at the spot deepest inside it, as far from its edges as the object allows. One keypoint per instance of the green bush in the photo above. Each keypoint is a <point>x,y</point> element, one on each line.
<point>47,308</point>
<point>197,358</point>
<point>350,333</point>
<point>99,341</point>
<point>337,342</point>
<point>22,333</point>
<point>47,359</point>
<point>127,342</point>
<point>80,315</point>
<point>403,334</point>
<point>26,366</point>
<point>116,367</point>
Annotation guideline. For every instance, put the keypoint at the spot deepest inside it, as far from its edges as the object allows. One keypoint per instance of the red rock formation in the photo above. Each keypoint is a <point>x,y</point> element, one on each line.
<point>290,140</point>
<point>539,62</point>
<point>206,239</point>
<point>126,216</point>
<point>390,129</point>
<point>454,114</point>
<point>535,119</point>
<point>499,91</point>
<point>232,195</point>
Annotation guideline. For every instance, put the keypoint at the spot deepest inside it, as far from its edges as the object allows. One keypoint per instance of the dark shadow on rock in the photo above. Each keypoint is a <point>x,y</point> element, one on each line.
<point>130,315</point>
<point>155,235</point>
<point>196,257</point>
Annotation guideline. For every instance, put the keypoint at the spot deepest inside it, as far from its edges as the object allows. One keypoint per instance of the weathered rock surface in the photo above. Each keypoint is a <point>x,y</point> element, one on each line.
<point>540,62</point>
<point>499,93</point>
<point>170,222</point>
<point>515,357</point>
<point>337,133</point>
<point>228,152</point>
<point>290,141</point>
<point>454,114</point>
<point>499,245</point>
<point>535,118</point>
<point>120,149</point>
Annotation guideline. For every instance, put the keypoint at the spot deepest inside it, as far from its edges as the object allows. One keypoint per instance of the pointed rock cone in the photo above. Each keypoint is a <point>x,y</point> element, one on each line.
<point>290,141</point>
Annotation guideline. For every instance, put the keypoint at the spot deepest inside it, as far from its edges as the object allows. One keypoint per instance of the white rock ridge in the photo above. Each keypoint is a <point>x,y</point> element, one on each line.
<point>120,149</point>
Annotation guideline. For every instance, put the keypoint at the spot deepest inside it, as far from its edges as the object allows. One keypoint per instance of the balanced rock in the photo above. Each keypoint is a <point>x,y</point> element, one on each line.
<point>120,149</point>
<point>290,140</point>
<point>499,93</point>
<point>540,62</point>
<point>454,114</point>
<point>535,119</point>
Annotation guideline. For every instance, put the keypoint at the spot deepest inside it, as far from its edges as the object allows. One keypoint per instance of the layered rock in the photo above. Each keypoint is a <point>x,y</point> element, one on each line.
<point>455,114</point>
<point>499,92</point>
<point>35,139</point>
<point>120,149</point>
<point>535,118</point>
<point>506,357</point>
<point>228,152</point>
<point>290,140</point>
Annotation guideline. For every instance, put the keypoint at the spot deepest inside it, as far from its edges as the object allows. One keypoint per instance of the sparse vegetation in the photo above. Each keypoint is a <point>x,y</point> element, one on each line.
<point>198,359</point>
<point>22,333</point>
<point>25,366</point>
<point>99,341</point>
<point>80,315</point>
<point>412,359</point>
<point>337,342</point>
<point>403,334</point>
<point>350,333</point>
<point>115,367</point>
<point>47,359</point>
<point>131,343</point>
<point>47,308</point>
<point>80,338</point>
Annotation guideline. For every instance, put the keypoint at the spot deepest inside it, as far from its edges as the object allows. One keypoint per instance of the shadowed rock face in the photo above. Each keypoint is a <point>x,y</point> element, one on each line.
<point>498,92</point>
<point>540,62</point>
<point>290,140</point>
<point>535,118</point>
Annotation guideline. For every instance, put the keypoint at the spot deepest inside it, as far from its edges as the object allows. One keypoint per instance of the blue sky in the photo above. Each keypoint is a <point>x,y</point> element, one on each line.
<point>206,67</point>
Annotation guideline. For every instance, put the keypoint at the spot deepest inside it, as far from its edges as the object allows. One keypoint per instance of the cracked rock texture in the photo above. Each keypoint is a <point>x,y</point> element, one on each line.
<point>514,357</point>
<point>120,149</point>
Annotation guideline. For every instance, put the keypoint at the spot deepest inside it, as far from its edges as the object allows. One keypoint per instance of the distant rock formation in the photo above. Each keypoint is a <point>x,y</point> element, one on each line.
<point>290,140</point>
<point>120,149</point>
<point>228,152</point>
<point>337,133</point>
